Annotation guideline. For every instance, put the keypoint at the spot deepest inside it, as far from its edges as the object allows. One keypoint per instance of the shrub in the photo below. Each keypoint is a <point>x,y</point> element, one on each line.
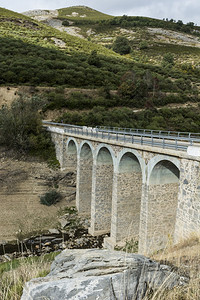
<point>50,198</point>
<point>143,45</point>
<point>94,59</point>
<point>121,45</point>
<point>65,23</point>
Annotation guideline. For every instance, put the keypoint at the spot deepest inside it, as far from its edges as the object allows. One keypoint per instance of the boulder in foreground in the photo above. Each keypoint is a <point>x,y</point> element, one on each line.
<point>100,274</point>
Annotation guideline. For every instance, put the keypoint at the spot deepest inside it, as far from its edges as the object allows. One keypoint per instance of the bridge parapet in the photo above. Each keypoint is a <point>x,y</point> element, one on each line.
<point>154,138</point>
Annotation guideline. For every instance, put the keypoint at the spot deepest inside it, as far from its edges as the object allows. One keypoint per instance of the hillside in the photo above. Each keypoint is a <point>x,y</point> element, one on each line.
<point>162,68</point>
<point>18,26</point>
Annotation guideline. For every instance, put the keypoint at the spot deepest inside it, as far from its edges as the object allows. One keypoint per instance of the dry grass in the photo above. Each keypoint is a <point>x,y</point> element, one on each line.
<point>185,258</point>
<point>13,280</point>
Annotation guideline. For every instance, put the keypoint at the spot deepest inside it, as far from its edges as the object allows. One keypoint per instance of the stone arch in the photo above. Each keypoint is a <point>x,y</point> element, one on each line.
<point>161,158</point>
<point>70,161</point>
<point>102,189</point>
<point>138,157</point>
<point>110,150</point>
<point>163,188</point>
<point>84,178</point>
<point>127,201</point>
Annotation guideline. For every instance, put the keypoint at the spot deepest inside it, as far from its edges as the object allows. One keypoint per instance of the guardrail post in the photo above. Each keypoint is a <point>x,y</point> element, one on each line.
<point>132,138</point>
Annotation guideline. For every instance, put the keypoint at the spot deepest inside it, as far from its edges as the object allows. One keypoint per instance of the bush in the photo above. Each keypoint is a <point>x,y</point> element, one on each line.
<point>94,59</point>
<point>50,198</point>
<point>121,45</point>
<point>65,23</point>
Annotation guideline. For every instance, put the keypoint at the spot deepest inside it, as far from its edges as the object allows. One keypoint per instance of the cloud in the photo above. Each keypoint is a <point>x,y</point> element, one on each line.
<point>187,10</point>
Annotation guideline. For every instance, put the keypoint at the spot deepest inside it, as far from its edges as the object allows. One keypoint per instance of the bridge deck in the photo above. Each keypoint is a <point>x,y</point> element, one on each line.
<point>179,141</point>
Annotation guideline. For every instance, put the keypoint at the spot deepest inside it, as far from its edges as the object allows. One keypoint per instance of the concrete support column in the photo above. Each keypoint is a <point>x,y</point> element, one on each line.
<point>84,180</point>
<point>102,186</point>
<point>188,212</point>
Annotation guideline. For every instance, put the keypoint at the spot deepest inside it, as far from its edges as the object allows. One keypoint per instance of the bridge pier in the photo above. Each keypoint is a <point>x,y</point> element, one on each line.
<point>102,193</point>
<point>188,211</point>
<point>84,180</point>
<point>159,206</point>
<point>126,202</point>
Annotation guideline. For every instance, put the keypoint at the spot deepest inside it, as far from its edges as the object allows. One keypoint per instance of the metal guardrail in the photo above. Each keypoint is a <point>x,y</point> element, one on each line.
<point>155,138</point>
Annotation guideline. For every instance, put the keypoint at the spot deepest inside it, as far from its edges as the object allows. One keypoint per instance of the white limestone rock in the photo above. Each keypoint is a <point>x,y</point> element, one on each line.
<point>100,274</point>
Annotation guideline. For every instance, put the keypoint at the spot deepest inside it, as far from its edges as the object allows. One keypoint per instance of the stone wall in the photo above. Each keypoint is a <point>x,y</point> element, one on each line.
<point>126,207</point>
<point>84,180</point>
<point>188,212</point>
<point>162,206</point>
<point>102,193</point>
<point>57,139</point>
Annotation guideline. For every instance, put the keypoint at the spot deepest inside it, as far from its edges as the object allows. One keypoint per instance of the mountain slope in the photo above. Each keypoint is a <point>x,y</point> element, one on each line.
<point>21,27</point>
<point>157,72</point>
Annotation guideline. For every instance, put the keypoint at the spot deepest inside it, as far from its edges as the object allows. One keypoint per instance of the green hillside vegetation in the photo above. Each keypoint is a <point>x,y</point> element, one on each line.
<point>18,26</point>
<point>153,74</point>
<point>83,12</point>
<point>136,21</point>
<point>28,64</point>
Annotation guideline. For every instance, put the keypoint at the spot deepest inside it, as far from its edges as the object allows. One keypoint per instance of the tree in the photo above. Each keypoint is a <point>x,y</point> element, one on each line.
<point>21,126</point>
<point>121,45</point>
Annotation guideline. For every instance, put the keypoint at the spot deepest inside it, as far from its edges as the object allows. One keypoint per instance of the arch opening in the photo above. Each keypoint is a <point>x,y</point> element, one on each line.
<point>162,204</point>
<point>84,186</point>
<point>71,157</point>
<point>129,192</point>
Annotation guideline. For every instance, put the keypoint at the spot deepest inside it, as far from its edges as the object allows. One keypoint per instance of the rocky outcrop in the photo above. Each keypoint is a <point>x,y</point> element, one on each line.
<point>100,274</point>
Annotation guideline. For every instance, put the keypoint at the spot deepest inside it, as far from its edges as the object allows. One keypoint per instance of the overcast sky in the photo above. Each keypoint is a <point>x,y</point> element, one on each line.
<point>185,10</point>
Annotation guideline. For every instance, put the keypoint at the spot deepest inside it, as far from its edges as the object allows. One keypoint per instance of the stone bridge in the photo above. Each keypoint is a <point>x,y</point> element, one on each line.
<point>135,186</point>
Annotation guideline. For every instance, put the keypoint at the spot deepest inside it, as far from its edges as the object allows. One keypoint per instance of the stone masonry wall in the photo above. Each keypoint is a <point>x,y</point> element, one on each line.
<point>126,214</point>
<point>57,139</point>
<point>84,183</point>
<point>188,212</point>
<point>162,206</point>
<point>102,198</point>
